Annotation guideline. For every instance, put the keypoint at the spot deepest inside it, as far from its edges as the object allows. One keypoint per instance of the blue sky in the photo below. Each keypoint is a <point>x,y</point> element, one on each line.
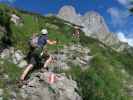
<point>115,12</point>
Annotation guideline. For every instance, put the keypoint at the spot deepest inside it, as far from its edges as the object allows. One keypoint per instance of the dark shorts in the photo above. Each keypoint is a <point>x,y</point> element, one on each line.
<point>45,57</point>
<point>35,56</point>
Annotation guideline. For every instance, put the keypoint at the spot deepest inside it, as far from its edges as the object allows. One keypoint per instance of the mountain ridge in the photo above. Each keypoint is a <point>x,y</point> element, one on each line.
<point>94,26</point>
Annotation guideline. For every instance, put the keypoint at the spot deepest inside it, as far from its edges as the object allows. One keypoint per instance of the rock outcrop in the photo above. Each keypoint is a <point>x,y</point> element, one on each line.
<point>2,29</point>
<point>69,13</point>
<point>14,56</point>
<point>16,20</point>
<point>93,22</point>
<point>71,56</point>
<point>51,85</point>
<point>38,88</point>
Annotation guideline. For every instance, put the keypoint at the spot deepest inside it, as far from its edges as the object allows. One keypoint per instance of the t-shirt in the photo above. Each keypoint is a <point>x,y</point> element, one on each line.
<point>42,40</point>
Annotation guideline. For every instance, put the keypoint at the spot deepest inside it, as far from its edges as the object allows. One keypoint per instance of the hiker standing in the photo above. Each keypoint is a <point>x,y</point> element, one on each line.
<point>76,32</point>
<point>37,44</point>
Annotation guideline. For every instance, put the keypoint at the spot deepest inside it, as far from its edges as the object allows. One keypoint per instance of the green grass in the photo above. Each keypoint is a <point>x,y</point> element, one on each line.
<point>10,69</point>
<point>100,82</point>
<point>20,37</point>
<point>9,84</point>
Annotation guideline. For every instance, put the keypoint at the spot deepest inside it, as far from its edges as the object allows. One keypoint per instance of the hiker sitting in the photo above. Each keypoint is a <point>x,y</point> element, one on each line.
<point>37,44</point>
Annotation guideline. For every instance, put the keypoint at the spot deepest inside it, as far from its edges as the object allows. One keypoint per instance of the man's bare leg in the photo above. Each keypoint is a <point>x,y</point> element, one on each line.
<point>26,71</point>
<point>47,62</point>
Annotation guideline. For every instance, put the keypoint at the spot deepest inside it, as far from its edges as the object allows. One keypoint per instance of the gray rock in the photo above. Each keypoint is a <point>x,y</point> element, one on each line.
<point>18,55</point>
<point>1,92</point>
<point>16,20</point>
<point>66,88</point>
<point>12,50</point>
<point>72,55</point>
<point>6,76</point>
<point>14,56</point>
<point>23,94</point>
<point>22,64</point>
<point>69,13</point>
<point>2,30</point>
<point>38,88</point>
<point>13,60</point>
<point>1,98</point>
<point>5,54</point>
<point>14,95</point>
<point>93,22</point>
<point>34,82</point>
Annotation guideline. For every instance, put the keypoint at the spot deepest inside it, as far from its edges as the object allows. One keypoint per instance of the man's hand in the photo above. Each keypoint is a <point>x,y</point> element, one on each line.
<point>54,42</point>
<point>51,42</point>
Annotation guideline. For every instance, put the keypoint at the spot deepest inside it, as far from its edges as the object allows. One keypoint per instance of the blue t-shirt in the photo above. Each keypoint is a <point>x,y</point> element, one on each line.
<point>42,40</point>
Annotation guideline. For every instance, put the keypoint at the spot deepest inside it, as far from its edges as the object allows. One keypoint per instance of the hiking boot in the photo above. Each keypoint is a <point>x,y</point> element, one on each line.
<point>20,83</point>
<point>44,69</point>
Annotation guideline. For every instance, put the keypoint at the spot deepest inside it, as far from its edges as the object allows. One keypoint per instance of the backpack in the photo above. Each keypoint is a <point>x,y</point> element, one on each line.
<point>38,41</point>
<point>34,41</point>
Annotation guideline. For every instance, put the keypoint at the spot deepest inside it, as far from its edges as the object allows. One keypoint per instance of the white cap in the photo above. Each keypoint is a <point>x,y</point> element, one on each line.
<point>44,31</point>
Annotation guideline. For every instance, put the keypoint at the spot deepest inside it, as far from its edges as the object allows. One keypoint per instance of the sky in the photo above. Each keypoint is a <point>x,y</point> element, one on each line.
<point>115,12</point>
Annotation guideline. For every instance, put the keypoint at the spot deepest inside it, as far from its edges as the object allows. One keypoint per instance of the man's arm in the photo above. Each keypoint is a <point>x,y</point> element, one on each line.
<point>51,42</point>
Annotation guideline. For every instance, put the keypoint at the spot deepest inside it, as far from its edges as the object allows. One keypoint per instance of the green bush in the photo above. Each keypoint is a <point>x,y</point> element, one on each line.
<point>99,82</point>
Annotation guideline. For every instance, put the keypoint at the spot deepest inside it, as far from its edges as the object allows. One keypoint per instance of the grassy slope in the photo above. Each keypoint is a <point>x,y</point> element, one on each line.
<point>103,81</point>
<point>35,24</point>
<point>105,75</point>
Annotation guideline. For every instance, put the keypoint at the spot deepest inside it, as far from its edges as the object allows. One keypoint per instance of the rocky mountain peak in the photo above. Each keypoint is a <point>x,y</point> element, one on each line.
<point>69,13</point>
<point>93,24</point>
<point>92,21</point>
<point>67,10</point>
<point>93,14</point>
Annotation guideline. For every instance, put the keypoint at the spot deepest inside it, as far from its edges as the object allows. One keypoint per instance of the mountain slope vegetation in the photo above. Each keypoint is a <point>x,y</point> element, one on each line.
<point>108,76</point>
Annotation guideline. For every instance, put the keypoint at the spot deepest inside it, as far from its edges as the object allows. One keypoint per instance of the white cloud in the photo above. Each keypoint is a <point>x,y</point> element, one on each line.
<point>130,42</point>
<point>118,16</point>
<point>113,12</point>
<point>123,38</point>
<point>124,2</point>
